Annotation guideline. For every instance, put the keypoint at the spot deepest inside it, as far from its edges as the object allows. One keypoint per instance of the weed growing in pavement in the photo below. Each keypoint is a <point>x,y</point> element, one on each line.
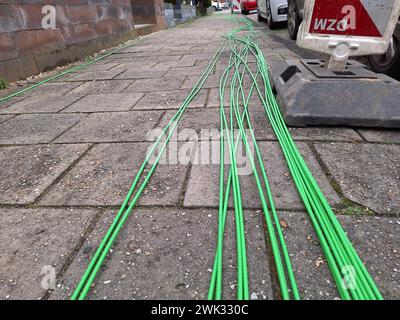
<point>3,83</point>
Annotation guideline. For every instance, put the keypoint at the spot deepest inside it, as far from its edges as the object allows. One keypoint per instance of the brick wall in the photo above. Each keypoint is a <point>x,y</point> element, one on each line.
<point>82,28</point>
<point>148,11</point>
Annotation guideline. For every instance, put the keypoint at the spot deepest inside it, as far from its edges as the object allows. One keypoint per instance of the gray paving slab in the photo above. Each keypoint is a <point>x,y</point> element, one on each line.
<point>101,86</point>
<point>105,102</point>
<point>376,240</point>
<point>11,101</point>
<point>124,57</point>
<point>157,84</point>
<point>309,265</point>
<point>178,52</point>
<point>112,127</point>
<point>126,60</point>
<point>35,128</point>
<point>197,124</point>
<point>383,136</point>
<point>32,242</point>
<point>166,65</point>
<point>207,49</point>
<point>173,47</point>
<point>325,134</point>
<point>136,64</point>
<point>264,131</point>
<point>4,118</point>
<point>105,174</point>
<point>214,100</point>
<point>272,59</point>
<point>27,171</point>
<point>170,100</point>
<point>368,174</point>
<point>98,66</point>
<point>202,56</point>
<point>56,88</point>
<point>135,54</point>
<point>42,104</point>
<point>95,75</point>
<point>143,48</point>
<point>185,71</point>
<point>164,60</point>
<point>168,254</point>
<point>141,74</point>
<point>204,64</point>
<point>213,81</point>
<point>203,184</point>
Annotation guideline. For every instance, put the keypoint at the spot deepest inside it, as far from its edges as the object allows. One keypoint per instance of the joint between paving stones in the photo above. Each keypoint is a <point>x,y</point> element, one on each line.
<point>63,174</point>
<point>346,206</point>
<point>75,251</point>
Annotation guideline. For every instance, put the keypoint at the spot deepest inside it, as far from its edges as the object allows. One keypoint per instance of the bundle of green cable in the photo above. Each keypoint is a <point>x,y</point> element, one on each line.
<point>139,184</point>
<point>337,248</point>
<point>238,97</point>
<point>339,252</point>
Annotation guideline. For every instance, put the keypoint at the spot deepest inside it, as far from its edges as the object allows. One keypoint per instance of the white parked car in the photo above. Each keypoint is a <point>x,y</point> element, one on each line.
<point>216,5</point>
<point>273,11</point>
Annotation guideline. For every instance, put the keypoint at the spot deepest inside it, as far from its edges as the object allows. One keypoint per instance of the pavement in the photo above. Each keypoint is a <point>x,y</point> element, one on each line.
<point>69,151</point>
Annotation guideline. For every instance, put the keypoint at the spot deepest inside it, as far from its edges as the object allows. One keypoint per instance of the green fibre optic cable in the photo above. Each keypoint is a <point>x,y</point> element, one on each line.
<point>285,292</point>
<point>215,290</point>
<point>270,225</point>
<point>281,273</point>
<point>325,223</point>
<point>334,242</point>
<point>84,285</point>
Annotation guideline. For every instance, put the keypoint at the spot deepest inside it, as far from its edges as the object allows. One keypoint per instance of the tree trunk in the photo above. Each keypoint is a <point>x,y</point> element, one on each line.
<point>202,6</point>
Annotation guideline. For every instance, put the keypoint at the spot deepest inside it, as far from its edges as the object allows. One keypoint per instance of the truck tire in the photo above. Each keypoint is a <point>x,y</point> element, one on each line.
<point>389,63</point>
<point>259,17</point>
<point>293,19</point>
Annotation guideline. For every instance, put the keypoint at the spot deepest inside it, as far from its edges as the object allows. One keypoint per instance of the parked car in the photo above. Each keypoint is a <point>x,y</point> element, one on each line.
<point>248,5</point>
<point>216,5</point>
<point>273,11</point>
<point>388,63</point>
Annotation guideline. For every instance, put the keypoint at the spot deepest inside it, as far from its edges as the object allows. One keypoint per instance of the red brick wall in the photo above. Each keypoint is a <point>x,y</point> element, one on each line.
<point>78,22</point>
<point>148,11</point>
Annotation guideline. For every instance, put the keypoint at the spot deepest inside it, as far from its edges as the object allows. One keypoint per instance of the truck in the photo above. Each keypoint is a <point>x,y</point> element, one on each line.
<point>388,63</point>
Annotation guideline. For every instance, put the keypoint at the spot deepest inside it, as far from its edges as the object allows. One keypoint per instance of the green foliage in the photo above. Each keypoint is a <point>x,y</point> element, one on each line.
<point>3,83</point>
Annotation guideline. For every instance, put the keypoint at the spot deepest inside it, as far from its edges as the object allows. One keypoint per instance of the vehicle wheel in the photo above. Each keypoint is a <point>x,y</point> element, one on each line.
<point>259,17</point>
<point>215,9</point>
<point>245,12</point>
<point>389,63</point>
<point>270,19</point>
<point>293,19</point>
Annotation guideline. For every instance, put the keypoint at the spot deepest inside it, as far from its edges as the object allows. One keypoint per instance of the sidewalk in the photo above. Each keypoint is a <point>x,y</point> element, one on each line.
<point>69,151</point>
